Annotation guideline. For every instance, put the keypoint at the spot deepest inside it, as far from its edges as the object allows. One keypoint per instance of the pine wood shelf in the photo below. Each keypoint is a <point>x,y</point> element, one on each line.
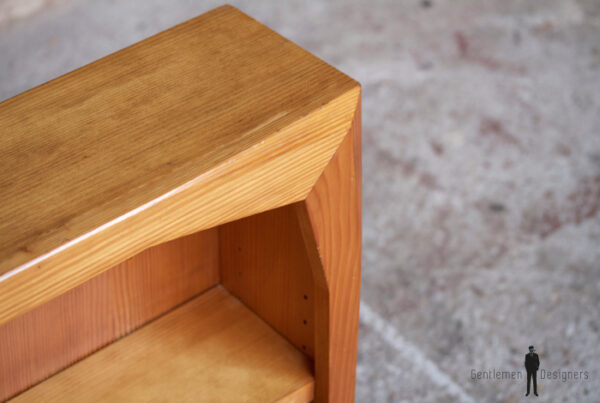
<point>210,349</point>
<point>214,162</point>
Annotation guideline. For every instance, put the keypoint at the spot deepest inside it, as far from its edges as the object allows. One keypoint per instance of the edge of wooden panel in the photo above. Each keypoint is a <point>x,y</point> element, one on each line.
<point>331,224</point>
<point>303,394</point>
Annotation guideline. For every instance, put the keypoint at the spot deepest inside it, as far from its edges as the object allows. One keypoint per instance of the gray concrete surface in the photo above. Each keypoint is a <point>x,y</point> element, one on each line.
<point>481,155</point>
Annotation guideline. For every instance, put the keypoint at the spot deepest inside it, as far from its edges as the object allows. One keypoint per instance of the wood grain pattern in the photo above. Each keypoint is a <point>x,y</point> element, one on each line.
<point>78,322</point>
<point>213,120</point>
<point>210,349</point>
<point>264,263</point>
<point>330,219</point>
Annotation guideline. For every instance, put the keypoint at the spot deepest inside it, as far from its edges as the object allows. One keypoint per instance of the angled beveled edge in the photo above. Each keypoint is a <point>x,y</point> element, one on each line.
<point>279,167</point>
<point>330,220</point>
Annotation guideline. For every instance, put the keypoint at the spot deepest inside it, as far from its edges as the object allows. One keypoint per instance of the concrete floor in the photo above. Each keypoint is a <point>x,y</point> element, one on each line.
<point>481,153</point>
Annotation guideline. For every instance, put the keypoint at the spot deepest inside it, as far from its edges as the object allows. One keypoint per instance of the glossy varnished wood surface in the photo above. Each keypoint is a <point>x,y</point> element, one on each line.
<point>65,329</point>
<point>330,219</point>
<point>213,120</point>
<point>211,349</point>
<point>264,263</point>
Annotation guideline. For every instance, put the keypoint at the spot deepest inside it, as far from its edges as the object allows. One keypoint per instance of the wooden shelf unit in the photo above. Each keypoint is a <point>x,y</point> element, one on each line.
<point>181,220</point>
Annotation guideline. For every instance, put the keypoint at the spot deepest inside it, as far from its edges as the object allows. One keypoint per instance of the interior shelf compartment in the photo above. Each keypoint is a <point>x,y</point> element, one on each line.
<point>212,348</point>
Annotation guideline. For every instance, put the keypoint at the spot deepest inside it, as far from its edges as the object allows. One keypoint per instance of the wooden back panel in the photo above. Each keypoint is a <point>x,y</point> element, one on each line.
<point>67,328</point>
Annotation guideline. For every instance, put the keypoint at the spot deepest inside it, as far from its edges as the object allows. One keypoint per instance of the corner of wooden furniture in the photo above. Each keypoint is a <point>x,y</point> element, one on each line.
<point>148,193</point>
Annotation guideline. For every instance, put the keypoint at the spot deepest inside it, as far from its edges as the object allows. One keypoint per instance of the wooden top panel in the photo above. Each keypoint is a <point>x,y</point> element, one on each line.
<point>212,349</point>
<point>97,143</point>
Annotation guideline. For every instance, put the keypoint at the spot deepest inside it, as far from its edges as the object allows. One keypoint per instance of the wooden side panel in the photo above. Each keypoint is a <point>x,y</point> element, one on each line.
<point>330,219</point>
<point>78,322</point>
<point>264,263</point>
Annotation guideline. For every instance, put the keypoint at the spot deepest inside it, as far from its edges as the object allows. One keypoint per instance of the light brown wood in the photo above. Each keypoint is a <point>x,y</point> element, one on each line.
<point>211,349</point>
<point>303,394</point>
<point>213,120</point>
<point>264,263</point>
<point>218,121</point>
<point>78,322</point>
<point>330,219</point>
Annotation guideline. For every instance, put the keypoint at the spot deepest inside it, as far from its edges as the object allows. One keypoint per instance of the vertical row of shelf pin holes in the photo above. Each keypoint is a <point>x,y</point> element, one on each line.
<point>239,249</point>
<point>304,321</point>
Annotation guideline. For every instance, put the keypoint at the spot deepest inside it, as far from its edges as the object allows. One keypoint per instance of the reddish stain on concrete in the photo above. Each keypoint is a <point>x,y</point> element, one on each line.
<point>493,128</point>
<point>428,180</point>
<point>477,291</point>
<point>489,125</point>
<point>580,205</point>
<point>490,63</point>
<point>462,44</point>
<point>437,147</point>
<point>587,199</point>
<point>550,223</point>
<point>407,166</point>
<point>496,65</point>
<point>562,149</point>
<point>543,28</point>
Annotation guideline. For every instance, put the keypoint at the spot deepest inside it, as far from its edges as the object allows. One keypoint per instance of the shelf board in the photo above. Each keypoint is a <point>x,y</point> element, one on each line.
<point>212,348</point>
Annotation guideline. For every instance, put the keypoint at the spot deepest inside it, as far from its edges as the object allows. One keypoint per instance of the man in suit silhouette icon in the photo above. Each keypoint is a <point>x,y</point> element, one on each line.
<point>532,363</point>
